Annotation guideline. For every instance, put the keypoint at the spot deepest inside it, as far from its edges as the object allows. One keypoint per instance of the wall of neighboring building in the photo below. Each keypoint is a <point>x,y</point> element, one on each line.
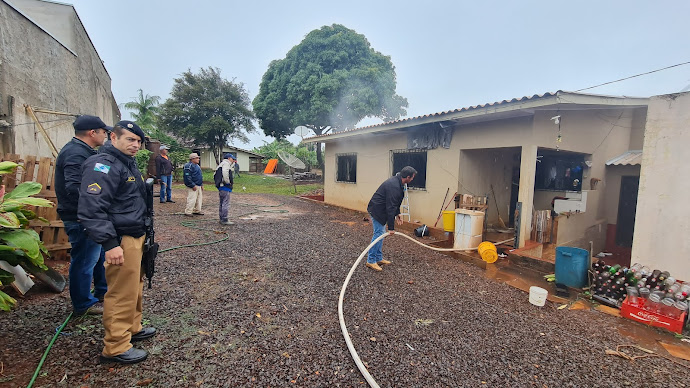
<point>208,160</point>
<point>662,224</point>
<point>39,70</point>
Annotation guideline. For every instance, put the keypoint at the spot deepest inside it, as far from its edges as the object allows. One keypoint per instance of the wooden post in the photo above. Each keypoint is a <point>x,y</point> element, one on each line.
<point>42,130</point>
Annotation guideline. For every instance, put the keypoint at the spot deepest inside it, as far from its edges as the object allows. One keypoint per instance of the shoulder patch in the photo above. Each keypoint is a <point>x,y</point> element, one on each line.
<point>100,167</point>
<point>93,188</point>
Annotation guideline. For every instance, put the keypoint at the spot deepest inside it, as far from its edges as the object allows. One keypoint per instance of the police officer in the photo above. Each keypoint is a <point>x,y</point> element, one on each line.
<point>112,207</point>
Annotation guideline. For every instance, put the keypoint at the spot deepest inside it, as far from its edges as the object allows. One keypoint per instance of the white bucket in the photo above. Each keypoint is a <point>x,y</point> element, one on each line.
<point>537,296</point>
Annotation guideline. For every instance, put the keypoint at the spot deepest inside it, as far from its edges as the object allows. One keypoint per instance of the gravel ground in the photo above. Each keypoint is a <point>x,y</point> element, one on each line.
<point>260,309</point>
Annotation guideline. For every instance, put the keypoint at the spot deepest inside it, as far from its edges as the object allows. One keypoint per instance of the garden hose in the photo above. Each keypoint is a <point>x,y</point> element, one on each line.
<point>363,370</point>
<point>45,354</point>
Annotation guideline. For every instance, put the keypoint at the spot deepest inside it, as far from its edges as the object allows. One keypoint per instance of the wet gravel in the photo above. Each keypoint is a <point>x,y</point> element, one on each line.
<point>260,309</point>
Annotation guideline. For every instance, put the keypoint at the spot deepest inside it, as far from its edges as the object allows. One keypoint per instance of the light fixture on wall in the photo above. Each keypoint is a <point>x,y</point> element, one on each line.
<point>557,120</point>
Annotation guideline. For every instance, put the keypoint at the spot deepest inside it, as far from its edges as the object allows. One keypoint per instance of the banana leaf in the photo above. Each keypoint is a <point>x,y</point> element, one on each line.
<point>24,190</point>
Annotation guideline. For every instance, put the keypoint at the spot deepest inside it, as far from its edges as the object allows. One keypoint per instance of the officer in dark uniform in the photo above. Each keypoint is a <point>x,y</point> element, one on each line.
<point>112,207</point>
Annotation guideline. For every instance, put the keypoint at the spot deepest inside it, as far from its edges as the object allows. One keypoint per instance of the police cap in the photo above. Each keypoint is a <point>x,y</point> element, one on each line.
<point>132,127</point>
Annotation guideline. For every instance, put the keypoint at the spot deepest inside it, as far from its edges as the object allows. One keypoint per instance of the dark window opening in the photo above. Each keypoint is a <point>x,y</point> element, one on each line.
<point>346,168</point>
<point>559,171</point>
<point>415,159</point>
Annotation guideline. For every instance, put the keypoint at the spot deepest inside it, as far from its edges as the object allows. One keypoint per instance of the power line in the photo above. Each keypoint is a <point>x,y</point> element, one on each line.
<point>633,76</point>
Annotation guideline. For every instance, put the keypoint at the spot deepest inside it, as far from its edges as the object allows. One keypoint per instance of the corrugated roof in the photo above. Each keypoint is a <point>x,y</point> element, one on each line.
<point>493,108</point>
<point>628,158</point>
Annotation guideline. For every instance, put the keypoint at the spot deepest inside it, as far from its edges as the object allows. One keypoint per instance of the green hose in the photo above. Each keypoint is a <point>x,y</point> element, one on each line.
<point>45,354</point>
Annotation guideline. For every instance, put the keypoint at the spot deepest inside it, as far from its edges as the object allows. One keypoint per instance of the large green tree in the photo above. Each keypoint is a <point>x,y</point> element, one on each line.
<point>208,110</point>
<point>145,108</point>
<point>330,81</point>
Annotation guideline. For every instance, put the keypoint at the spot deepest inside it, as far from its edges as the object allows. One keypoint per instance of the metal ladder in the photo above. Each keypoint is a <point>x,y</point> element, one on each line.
<point>405,205</point>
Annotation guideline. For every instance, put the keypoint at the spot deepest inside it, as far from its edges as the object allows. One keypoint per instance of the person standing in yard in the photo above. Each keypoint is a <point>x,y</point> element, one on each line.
<point>164,170</point>
<point>86,256</point>
<point>224,180</point>
<point>384,208</point>
<point>237,168</point>
<point>112,208</point>
<point>194,182</point>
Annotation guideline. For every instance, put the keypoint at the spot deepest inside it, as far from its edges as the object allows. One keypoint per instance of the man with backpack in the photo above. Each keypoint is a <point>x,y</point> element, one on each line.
<point>223,180</point>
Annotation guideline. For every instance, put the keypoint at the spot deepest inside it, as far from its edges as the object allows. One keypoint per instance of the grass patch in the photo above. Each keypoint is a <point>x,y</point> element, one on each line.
<point>253,183</point>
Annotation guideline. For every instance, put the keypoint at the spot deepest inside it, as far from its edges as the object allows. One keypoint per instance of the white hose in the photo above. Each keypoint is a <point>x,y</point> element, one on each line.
<point>343,328</point>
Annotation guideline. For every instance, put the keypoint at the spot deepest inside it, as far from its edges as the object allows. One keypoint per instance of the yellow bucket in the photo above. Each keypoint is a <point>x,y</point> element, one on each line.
<point>487,250</point>
<point>449,220</point>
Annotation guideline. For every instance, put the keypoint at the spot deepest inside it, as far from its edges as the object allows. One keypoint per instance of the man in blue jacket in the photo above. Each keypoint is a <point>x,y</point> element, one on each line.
<point>194,182</point>
<point>86,263</point>
<point>384,208</point>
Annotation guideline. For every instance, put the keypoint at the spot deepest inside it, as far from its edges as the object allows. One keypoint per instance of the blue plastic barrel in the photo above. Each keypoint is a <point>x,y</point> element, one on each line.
<point>571,266</point>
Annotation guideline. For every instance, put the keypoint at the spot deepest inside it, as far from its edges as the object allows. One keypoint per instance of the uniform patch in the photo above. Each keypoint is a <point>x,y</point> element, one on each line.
<point>93,188</point>
<point>130,179</point>
<point>104,168</point>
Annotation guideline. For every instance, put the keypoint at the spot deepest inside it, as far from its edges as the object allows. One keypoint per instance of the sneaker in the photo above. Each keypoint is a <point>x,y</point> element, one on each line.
<point>374,266</point>
<point>227,223</point>
<point>132,356</point>
<point>95,309</point>
<point>384,261</point>
<point>199,213</point>
<point>170,200</point>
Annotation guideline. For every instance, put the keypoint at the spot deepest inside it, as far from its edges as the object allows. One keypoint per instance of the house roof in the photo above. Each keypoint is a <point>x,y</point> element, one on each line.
<point>628,158</point>
<point>245,151</point>
<point>516,107</point>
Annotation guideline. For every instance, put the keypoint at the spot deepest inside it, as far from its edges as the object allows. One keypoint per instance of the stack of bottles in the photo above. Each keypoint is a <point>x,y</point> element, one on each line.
<point>654,291</point>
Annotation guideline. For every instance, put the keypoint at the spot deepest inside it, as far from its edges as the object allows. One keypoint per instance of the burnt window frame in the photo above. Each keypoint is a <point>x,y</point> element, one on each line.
<point>348,155</point>
<point>419,161</point>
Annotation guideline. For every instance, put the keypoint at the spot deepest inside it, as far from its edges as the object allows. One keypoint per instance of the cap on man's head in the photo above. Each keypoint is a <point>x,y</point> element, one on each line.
<point>164,148</point>
<point>193,155</point>
<point>132,127</point>
<point>228,155</point>
<point>87,123</point>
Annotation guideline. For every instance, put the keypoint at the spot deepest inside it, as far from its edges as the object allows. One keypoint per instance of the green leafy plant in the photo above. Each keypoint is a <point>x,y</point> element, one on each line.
<point>19,245</point>
<point>142,157</point>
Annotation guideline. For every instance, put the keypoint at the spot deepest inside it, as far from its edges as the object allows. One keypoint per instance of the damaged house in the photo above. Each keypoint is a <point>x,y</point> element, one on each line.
<point>565,169</point>
<point>49,73</point>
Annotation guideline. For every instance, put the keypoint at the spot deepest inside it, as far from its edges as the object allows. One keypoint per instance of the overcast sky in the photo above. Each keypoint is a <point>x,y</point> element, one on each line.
<point>448,54</point>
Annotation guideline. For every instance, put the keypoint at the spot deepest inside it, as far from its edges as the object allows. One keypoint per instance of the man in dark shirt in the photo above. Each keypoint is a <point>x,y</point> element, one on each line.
<point>384,208</point>
<point>164,170</point>
<point>112,208</point>
<point>86,263</point>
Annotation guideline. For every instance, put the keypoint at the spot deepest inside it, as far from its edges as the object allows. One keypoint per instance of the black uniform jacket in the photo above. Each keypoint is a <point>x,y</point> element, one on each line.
<point>68,177</point>
<point>385,203</point>
<point>112,197</point>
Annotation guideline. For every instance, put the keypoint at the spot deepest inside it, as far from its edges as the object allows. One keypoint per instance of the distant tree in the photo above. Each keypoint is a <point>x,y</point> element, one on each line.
<point>270,150</point>
<point>330,81</point>
<point>145,109</point>
<point>208,110</point>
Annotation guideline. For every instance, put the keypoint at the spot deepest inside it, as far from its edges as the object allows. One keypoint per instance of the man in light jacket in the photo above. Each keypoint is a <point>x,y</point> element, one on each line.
<point>225,186</point>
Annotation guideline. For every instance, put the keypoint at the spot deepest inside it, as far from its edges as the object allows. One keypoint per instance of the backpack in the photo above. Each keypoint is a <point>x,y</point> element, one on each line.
<point>218,177</point>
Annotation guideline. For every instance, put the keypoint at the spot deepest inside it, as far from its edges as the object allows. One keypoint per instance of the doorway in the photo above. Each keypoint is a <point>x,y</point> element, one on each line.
<point>627,205</point>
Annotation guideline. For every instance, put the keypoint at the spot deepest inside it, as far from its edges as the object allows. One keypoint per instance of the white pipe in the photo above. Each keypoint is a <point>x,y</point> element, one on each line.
<point>341,318</point>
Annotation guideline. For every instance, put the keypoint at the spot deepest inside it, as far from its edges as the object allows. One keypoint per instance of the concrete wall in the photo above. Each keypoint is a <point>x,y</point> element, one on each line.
<point>662,223</point>
<point>38,70</point>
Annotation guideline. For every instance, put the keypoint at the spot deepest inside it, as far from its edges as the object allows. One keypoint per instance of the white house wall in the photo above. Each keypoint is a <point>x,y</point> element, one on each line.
<point>662,223</point>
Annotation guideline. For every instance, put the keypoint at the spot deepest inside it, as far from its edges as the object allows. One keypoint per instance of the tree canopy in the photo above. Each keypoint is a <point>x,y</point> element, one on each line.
<point>145,108</point>
<point>330,81</point>
<point>208,110</point>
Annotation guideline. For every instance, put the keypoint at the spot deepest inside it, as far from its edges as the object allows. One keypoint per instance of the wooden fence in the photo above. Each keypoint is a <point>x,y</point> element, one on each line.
<point>41,170</point>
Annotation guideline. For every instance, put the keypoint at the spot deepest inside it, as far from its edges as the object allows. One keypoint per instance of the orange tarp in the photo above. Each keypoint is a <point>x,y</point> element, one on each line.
<point>271,166</point>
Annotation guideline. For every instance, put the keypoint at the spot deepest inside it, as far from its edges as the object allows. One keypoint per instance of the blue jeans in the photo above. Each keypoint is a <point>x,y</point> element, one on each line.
<point>224,204</point>
<point>375,255</point>
<point>166,183</point>
<point>86,265</point>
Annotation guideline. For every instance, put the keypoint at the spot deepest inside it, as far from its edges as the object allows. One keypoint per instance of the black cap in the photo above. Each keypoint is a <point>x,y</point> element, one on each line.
<point>132,127</point>
<point>87,123</point>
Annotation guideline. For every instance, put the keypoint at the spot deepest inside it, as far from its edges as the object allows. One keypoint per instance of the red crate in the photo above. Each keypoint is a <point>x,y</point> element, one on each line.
<point>653,319</point>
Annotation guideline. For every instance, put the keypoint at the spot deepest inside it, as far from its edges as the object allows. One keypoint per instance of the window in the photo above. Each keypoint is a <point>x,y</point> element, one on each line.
<point>412,158</point>
<point>346,168</point>
<point>559,171</point>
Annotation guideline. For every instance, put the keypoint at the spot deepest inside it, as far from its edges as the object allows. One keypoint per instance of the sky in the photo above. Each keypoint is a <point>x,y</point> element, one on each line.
<point>447,54</point>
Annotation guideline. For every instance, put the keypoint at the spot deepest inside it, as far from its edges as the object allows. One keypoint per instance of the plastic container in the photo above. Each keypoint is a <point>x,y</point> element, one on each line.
<point>571,266</point>
<point>449,220</point>
<point>469,225</point>
<point>667,307</point>
<point>487,250</point>
<point>537,296</point>
<point>653,304</point>
<point>680,308</point>
<point>633,295</point>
